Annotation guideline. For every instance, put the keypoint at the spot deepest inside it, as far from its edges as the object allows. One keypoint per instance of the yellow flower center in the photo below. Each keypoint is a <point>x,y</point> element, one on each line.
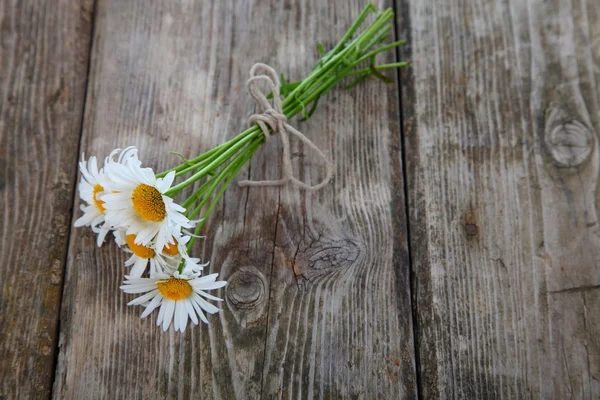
<point>171,248</point>
<point>174,288</point>
<point>148,203</point>
<point>99,203</point>
<point>138,249</point>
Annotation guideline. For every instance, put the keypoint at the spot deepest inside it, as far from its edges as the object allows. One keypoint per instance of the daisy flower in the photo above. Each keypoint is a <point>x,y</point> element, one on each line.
<point>166,261</point>
<point>91,186</point>
<point>135,201</point>
<point>142,255</point>
<point>179,296</point>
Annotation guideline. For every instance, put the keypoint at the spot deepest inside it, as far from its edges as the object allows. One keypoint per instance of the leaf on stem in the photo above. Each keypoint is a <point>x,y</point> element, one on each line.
<point>378,74</point>
<point>313,108</point>
<point>185,160</point>
<point>321,52</point>
<point>303,111</point>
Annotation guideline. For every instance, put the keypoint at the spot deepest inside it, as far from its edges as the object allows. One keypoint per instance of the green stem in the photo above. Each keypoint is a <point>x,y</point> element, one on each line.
<point>216,163</point>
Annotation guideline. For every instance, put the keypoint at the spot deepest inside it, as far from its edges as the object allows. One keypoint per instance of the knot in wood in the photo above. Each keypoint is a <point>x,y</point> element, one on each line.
<point>337,254</point>
<point>471,229</point>
<point>246,288</point>
<point>327,257</point>
<point>470,223</point>
<point>570,143</point>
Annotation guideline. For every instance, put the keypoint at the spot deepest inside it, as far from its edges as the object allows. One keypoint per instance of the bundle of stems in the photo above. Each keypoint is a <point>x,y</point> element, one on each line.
<point>353,59</point>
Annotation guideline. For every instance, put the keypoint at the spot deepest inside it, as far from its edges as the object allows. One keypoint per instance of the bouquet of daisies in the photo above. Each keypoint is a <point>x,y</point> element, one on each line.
<point>137,206</point>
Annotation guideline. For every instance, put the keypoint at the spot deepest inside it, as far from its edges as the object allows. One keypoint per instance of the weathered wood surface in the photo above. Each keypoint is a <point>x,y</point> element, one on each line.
<point>318,301</point>
<point>43,68</point>
<point>501,117</point>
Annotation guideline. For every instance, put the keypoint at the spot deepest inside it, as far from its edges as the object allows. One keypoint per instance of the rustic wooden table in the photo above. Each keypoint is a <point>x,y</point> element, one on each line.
<point>455,255</point>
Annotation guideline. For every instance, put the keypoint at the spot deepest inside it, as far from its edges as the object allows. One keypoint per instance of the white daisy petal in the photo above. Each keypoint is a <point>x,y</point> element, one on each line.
<point>208,296</point>
<point>131,260</point>
<point>143,299</point>
<point>170,310</point>
<point>176,316</point>
<point>137,290</point>
<point>206,306</point>
<point>208,282</point>
<point>161,314</point>
<point>153,304</point>
<point>139,267</point>
<point>183,315</point>
<point>199,312</point>
<point>165,183</point>
<point>101,235</point>
<point>84,220</point>
<point>93,166</point>
<point>191,312</point>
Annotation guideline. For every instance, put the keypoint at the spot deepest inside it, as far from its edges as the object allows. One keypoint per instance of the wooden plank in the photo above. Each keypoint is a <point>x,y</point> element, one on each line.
<point>501,115</point>
<point>339,309</point>
<point>325,313</point>
<point>43,62</point>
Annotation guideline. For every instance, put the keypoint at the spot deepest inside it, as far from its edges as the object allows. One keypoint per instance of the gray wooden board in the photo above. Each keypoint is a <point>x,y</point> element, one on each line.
<point>501,120</point>
<point>43,67</point>
<point>318,297</point>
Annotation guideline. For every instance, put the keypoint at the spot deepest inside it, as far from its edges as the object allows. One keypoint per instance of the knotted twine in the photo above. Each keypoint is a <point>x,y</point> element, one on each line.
<point>271,116</point>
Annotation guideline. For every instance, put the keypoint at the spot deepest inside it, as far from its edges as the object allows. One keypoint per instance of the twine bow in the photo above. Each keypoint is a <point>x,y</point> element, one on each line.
<point>271,116</point>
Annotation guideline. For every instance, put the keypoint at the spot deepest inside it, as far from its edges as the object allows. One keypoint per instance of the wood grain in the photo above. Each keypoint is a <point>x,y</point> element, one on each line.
<point>501,116</point>
<point>43,67</point>
<point>317,303</point>
<point>339,310</point>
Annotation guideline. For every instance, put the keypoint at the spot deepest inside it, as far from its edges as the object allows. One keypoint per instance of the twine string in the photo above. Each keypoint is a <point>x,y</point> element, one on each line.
<point>271,116</point>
